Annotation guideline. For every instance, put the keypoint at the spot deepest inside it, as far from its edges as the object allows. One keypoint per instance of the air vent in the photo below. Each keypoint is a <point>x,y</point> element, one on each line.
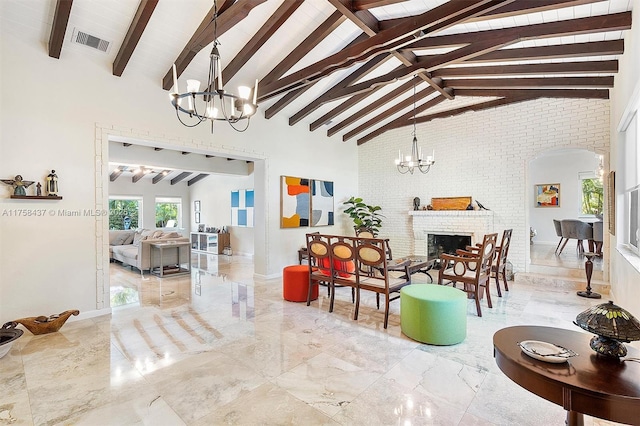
<point>81,37</point>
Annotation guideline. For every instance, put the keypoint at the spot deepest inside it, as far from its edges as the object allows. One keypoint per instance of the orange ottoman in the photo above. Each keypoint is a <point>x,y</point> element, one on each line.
<point>295,284</point>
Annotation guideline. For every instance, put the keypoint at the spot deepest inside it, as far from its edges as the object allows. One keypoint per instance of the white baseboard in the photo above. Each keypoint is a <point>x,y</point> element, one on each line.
<point>267,277</point>
<point>90,314</point>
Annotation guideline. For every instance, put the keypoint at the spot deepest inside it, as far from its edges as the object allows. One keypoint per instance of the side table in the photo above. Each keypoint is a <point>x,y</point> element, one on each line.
<point>163,270</point>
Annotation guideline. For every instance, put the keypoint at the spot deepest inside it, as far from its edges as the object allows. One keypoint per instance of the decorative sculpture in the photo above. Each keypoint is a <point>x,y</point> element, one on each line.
<point>52,184</point>
<point>18,184</point>
<point>44,325</point>
<point>416,203</point>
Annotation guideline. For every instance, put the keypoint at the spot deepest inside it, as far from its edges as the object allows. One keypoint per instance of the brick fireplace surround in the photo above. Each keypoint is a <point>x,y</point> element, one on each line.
<point>475,223</point>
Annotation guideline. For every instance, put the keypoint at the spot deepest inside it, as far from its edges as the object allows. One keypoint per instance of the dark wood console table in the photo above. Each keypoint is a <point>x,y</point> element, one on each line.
<point>587,384</point>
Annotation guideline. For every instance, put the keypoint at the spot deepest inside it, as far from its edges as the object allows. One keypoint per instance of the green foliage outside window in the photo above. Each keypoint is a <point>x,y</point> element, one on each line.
<point>123,214</point>
<point>166,212</point>
<point>592,196</point>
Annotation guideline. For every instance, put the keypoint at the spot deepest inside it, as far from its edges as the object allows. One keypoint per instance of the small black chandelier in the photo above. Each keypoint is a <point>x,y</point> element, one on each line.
<point>213,102</point>
<point>415,160</point>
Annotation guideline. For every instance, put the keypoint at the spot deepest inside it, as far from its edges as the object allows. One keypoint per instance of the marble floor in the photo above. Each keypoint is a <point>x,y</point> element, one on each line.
<point>544,255</point>
<point>220,347</point>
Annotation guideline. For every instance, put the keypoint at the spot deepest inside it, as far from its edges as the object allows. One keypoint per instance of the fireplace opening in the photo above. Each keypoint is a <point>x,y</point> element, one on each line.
<point>443,243</point>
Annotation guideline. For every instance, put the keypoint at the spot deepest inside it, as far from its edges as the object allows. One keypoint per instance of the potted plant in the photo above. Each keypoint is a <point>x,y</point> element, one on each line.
<point>363,215</point>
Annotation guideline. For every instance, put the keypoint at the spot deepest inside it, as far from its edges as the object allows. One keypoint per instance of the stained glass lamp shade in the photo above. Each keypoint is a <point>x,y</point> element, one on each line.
<point>613,325</point>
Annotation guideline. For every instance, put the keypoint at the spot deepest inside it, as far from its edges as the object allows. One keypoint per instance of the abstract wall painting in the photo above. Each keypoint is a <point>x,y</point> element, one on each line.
<point>548,195</point>
<point>242,208</point>
<point>321,203</point>
<point>294,202</point>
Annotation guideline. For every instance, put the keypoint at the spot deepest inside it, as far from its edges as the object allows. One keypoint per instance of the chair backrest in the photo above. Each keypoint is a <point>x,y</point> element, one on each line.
<point>364,233</point>
<point>487,253</point>
<point>343,253</point>
<point>597,231</point>
<point>319,251</point>
<point>504,247</point>
<point>371,258</point>
<point>577,229</point>
<point>558,226</point>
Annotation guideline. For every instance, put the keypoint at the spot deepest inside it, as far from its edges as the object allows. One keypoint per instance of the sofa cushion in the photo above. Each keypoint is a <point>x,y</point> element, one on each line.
<point>142,234</point>
<point>119,237</point>
<point>129,239</point>
<point>128,251</point>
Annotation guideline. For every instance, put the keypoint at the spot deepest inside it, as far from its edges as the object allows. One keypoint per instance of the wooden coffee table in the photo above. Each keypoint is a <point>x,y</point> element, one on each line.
<point>588,383</point>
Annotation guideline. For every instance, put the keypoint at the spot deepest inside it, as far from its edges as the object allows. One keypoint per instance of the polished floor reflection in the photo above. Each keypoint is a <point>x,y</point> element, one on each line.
<point>220,347</point>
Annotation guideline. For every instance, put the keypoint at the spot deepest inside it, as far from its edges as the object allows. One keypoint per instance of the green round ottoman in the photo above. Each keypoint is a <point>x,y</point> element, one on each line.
<point>434,314</point>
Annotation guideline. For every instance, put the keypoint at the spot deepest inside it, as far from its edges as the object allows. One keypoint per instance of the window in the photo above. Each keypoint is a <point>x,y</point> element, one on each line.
<point>631,225</point>
<point>168,212</point>
<point>125,212</point>
<point>592,194</point>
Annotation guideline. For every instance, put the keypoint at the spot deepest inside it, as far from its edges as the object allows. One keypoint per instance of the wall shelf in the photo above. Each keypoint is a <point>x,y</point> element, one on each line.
<point>36,197</point>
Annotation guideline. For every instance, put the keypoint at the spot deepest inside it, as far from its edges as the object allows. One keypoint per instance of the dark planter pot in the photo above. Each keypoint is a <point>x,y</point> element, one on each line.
<point>8,335</point>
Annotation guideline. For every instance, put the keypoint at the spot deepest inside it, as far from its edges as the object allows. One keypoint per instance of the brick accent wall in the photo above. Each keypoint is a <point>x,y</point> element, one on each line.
<point>482,154</point>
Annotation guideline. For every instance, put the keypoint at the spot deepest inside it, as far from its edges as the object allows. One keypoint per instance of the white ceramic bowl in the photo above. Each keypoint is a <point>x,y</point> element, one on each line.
<point>8,335</point>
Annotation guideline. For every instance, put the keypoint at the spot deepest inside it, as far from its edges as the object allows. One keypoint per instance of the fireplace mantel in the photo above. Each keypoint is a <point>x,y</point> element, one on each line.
<point>466,213</point>
<point>475,223</point>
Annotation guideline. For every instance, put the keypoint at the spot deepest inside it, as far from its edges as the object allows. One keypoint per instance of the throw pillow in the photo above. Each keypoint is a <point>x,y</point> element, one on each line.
<point>117,238</point>
<point>344,269</point>
<point>157,234</point>
<point>324,265</point>
<point>129,239</point>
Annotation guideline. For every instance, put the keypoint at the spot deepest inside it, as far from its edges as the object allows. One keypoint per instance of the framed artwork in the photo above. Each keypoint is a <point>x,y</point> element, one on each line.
<point>611,202</point>
<point>196,206</point>
<point>242,205</point>
<point>321,203</point>
<point>197,217</point>
<point>548,195</point>
<point>294,202</point>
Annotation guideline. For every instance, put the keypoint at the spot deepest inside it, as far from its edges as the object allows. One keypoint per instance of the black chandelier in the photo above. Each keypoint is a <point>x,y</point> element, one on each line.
<point>213,103</point>
<point>415,160</point>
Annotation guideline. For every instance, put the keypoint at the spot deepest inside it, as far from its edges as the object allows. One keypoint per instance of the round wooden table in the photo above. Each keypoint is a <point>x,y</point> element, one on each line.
<point>588,383</point>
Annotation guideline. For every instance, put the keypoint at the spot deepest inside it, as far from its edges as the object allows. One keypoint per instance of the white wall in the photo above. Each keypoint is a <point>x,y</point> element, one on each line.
<point>73,104</point>
<point>625,277</point>
<point>560,167</point>
<point>214,194</point>
<point>484,155</point>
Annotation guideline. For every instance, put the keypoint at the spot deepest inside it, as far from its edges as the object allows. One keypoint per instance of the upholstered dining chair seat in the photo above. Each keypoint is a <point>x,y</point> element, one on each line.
<point>380,282</point>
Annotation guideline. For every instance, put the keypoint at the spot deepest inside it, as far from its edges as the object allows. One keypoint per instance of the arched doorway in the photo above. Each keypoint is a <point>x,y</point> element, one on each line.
<point>574,172</point>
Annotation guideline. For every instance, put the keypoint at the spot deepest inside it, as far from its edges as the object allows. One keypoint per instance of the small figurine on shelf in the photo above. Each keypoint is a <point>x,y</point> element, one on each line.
<point>18,184</point>
<point>416,203</point>
<point>38,189</point>
<point>52,184</point>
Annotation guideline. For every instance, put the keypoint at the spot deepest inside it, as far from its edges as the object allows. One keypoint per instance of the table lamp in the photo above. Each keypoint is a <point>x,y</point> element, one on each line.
<point>613,325</point>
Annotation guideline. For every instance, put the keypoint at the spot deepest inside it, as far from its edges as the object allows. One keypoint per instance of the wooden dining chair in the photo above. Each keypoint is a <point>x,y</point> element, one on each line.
<point>371,261</point>
<point>343,270</point>
<point>319,260</point>
<point>471,268</point>
<point>499,265</point>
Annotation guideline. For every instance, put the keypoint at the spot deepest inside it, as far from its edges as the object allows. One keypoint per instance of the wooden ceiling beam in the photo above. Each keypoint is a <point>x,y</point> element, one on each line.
<point>539,93</point>
<point>401,121</point>
<point>590,25</point>
<point>273,23</point>
<point>339,109</point>
<point>131,39</point>
<point>394,38</point>
<point>595,48</point>
<point>372,107</point>
<point>316,36</point>
<point>196,179</point>
<point>586,67</point>
<point>115,174</point>
<point>370,4</point>
<point>231,13</point>
<point>157,178</point>
<point>388,113</point>
<point>426,64</point>
<point>530,82</point>
<point>294,94</point>
<point>59,27</point>
<point>137,176</point>
<point>520,7</point>
<point>180,177</point>
<point>327,96</point>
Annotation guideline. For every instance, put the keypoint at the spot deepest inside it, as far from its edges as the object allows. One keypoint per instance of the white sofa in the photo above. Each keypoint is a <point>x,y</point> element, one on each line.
<point>134,247</point>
